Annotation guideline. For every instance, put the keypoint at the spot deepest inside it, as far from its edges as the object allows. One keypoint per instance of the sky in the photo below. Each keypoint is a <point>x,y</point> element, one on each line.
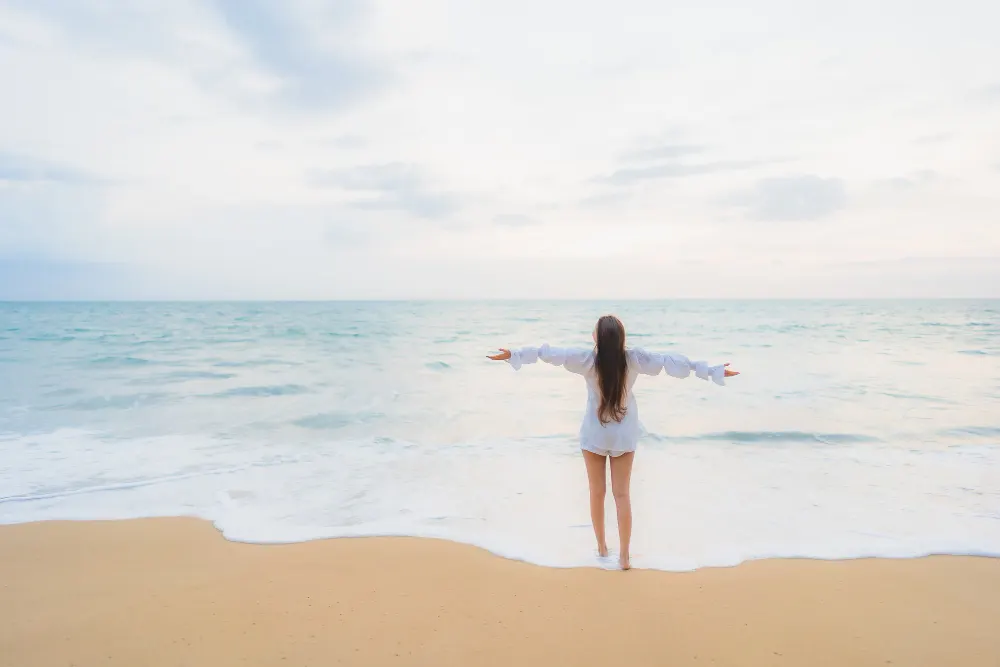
<point>455,149</point>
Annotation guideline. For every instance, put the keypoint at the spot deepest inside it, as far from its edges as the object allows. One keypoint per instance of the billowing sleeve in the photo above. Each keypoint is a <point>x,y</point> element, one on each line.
<point>647,363</point>
<point>575,360</point>
<point>679,366</point>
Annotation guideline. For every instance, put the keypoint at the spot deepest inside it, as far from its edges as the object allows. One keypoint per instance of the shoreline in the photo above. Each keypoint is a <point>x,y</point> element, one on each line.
<point>169,591</point>
<point>612,563</point>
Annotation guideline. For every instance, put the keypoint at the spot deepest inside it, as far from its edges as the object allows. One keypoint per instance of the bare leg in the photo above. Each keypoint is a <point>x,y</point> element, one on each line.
<point>621,477</point>
<point>596,475</point>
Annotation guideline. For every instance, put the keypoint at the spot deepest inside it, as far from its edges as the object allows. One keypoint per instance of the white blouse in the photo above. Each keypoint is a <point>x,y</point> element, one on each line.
<point>614,438</point>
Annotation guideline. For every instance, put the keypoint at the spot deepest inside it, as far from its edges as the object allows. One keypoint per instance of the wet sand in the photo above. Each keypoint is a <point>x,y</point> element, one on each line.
<point>174,592</point>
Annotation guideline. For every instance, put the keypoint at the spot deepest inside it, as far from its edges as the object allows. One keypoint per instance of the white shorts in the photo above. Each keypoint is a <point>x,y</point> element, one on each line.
<point>604,452</point>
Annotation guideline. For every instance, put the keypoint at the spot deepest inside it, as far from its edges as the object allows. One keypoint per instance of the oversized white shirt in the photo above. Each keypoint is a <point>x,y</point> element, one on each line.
<point>614,438</point>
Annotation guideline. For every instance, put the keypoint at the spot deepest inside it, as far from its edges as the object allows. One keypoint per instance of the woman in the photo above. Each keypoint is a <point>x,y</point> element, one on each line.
<point>611,425</point>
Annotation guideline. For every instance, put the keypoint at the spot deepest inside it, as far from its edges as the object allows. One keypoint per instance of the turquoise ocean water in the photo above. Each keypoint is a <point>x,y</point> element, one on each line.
<point>857,428</point>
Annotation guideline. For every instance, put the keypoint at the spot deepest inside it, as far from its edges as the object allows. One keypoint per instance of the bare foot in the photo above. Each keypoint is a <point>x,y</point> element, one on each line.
<point>623,560</point>
<point>602,550</point>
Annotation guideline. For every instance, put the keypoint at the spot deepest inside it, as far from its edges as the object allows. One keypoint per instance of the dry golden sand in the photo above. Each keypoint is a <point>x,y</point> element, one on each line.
<point>174,592</point>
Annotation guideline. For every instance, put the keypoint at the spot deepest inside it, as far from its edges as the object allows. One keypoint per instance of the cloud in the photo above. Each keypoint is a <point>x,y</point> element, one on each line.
<point>514,220</point>
<point>915,180</point>
<point>347,142</point>
<point>29,277</point>
<point>298,54</point>
<point>631,176</point>
<point>390,186</point>
<point>972,276</point>
<point>305,148</point>
<point>340,234</point>
<point>314,73</point>
<point>667,161</point>
<point>989,93</point>
<point>20,169</point>
<point>666,151</point>
<point>934,138</point>
<point>388,176</point>
<point>793,198</point>
<point>133,28</point>
<point>47,208</point>
<point>605,200</point>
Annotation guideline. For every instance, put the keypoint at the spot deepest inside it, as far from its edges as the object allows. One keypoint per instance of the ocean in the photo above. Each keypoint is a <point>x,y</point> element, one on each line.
<point>857,428</point>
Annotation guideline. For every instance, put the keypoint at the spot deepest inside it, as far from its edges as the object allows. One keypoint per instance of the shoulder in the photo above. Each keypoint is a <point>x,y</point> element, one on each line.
<point>559,355</point>
<point>579,358</point>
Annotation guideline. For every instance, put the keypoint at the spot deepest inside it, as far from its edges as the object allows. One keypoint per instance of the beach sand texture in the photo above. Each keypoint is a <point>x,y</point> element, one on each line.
<point>174,592</point>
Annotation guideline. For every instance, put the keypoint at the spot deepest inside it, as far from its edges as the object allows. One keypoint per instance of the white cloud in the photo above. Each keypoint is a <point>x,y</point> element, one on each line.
<point>442,148</point>
<point>795,198</point>
<point>514,220</point>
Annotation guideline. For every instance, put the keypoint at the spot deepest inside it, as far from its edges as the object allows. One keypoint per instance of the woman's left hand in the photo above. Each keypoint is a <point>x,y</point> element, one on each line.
<point>503,356</point>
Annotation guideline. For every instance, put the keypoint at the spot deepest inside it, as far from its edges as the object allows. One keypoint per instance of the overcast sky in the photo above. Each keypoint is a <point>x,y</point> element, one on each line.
<point>517,149</point>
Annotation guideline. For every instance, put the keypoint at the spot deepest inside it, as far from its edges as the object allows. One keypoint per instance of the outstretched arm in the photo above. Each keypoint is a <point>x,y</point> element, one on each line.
<point>572,359</point>
<point>679,366</point>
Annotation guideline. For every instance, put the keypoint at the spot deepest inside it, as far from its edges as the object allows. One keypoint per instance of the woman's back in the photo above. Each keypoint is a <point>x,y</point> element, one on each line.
<point>611,425</point>
<point>613,437</point>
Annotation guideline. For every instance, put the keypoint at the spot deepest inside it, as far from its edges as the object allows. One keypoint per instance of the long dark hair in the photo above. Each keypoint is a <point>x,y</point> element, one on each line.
<point>612,368</point>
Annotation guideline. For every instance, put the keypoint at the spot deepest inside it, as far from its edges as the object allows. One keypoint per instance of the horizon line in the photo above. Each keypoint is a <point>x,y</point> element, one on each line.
<point>495,299</point>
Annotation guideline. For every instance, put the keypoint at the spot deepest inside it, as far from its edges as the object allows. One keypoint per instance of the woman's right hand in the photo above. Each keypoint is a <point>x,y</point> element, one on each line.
<point>503,356</point>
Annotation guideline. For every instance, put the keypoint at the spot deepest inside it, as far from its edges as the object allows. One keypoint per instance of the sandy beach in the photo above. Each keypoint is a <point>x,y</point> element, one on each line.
<point>174,592</point>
